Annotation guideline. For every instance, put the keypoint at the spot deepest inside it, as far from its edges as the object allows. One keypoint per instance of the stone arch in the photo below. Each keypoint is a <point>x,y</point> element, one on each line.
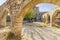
<point>54,15</point>
<point>32,3</point>
<point>3,17</point>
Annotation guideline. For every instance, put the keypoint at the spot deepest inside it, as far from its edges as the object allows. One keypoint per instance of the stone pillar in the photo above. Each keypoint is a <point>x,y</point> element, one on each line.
<point>51,20</point>
<point>46,18</point>
<point>16,26</point>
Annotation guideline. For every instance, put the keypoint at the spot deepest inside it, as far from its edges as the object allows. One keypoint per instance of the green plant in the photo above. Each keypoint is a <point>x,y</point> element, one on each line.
<point>30,14</point>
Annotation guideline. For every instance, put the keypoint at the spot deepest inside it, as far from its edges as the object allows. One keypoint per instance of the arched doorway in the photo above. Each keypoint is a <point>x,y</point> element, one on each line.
<point>8,20</point>
<point>31,4</point>
<point>34,2</point>
<point>3,18</point>
<point>56,17</point>
<point>20,17</point>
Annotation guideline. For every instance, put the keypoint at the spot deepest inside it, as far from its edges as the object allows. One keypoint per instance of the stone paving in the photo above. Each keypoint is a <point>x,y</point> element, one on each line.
<point>36,33</point>
<point>32,32</point>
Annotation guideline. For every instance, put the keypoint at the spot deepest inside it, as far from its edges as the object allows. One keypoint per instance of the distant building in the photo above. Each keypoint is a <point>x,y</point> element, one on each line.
<point>38,14</point>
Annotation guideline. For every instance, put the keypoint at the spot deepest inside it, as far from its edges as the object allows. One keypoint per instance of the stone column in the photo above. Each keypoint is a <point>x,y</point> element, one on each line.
<point>16,25</point>
<point>46,18</point>
<point>51,20</point>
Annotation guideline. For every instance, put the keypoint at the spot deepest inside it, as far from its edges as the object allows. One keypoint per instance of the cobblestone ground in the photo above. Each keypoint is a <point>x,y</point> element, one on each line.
<point>32,32</point>
<point>36,33</point>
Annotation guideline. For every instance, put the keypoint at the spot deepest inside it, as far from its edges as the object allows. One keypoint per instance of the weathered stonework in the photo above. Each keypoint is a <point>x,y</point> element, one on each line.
<point>46,17</point>
<point>55,12</point>
<point>18,9</point>
<point>3,18</point>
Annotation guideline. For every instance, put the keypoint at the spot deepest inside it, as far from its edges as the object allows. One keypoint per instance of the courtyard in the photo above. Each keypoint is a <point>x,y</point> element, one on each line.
<point>29,20</point>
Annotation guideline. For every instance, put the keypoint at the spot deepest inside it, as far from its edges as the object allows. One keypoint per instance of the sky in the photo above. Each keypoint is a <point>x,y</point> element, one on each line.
<point>2,1</point>
<point>43,7</point>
